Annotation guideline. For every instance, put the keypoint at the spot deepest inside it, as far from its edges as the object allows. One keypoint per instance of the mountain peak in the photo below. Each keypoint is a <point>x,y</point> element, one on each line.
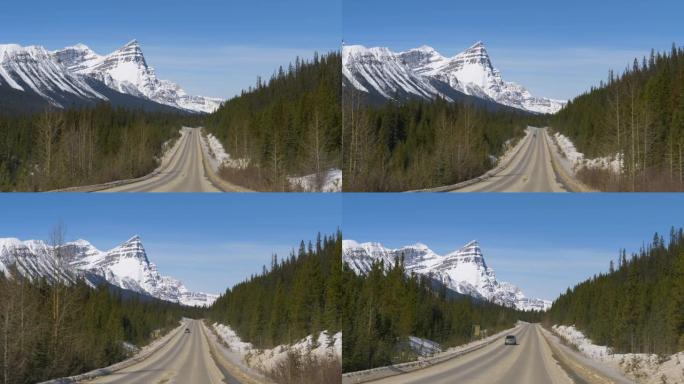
<point>478,44</point>
<point>79,47</point>
<point>424,73</point>
<point>464,271</point>
<point>134,239</point>
<point>472,244</point>
<point>425,48</point>
<point>132,43</point>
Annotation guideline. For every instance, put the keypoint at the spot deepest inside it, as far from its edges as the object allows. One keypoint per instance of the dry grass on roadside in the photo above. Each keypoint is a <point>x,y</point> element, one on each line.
<point>250,177</point>
<point>306,369</point>
<point>649,181</point>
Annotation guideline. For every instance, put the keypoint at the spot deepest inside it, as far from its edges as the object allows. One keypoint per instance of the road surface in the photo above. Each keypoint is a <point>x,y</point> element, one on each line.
<point>184,172</point>
<point>529,362</point>
<point>530,169</point>
<point>184,359</point>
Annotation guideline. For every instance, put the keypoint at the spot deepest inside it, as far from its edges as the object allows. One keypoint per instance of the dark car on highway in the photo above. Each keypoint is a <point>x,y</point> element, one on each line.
<point>187,330</point>
<point>510,340</point>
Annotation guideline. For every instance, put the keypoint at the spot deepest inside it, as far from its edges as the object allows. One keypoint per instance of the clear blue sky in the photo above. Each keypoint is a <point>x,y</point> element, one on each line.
<point>543,243</point>
<point>210,47</point>
<point>208,241</point>
<point>555,48</point>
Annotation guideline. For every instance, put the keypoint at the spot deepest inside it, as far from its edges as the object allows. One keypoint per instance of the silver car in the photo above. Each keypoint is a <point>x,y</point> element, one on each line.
<point>510,340</point>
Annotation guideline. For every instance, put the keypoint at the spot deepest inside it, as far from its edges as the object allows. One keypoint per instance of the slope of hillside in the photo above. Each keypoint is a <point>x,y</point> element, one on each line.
<point>637,307</point>
<point>639,116</point>
<point>286,127</point>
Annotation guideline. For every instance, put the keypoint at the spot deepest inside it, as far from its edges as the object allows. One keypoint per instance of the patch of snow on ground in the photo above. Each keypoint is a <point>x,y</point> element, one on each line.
<point>326,346</point>
<point>644,367</point>
<point>577,160</point>
<point>423,347</point>
<point>232,339</point>
<point>308,183</point>
<point>219,157</point>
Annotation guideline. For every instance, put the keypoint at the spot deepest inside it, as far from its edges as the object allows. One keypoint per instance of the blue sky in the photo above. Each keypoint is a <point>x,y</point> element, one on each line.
<point>555,48</point>
<point>208,241</point>
<point>543,243</point>
<point>210,47</point>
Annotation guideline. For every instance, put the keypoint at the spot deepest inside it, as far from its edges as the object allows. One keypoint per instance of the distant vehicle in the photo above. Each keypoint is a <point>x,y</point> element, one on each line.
<point>510,340</point>
<point>187,330</point>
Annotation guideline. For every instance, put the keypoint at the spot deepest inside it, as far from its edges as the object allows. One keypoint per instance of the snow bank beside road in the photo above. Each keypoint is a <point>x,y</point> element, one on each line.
<point>332,182</point>
<point>324,347</point>
<point>645,368</point>
<point>578,161</point>
<point>423,347</point>
<point>219,157</point>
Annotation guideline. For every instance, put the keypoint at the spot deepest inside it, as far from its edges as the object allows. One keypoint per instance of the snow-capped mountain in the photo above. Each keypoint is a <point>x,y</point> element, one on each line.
<point>125,266</point>
<point>31,77</point>
<point>464,270</point>
<point>125,70</point>
<point>423,72</point>
<point>31,70</point>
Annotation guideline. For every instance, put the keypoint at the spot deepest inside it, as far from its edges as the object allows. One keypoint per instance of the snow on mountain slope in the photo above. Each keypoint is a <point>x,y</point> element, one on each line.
<point>31,69</point>
<point>382,70</point>
<point>125,70</point>
<point>125,266</point>
<point>33,260</point>
<point>469,72</point>
<point>463,270</point>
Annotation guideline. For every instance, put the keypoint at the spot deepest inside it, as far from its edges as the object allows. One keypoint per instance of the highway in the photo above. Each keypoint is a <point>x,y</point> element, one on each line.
<point>183,171</point>
<point>529,170</point>
<point>186,358</point>
<point>529,362</point>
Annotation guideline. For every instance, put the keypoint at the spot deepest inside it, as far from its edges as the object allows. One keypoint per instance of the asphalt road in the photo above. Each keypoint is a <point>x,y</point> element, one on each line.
<point>530,169</point>
<point>184,172</point>
<point>184,359</point>
<point>529,362</point>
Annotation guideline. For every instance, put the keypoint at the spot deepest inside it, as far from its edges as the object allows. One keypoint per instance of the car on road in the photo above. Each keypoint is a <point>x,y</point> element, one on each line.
<point>510,340</point>
<point>187,330</point>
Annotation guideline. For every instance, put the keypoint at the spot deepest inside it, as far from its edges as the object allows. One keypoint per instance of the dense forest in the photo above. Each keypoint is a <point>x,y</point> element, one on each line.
<point>639,114</point>
<point>64,148</point>
<point>288,126</point>
<point>297,296</point>
<point>638,306</point>
<point>421,144</point>
<point>383,308</point>
<point>56,330</point>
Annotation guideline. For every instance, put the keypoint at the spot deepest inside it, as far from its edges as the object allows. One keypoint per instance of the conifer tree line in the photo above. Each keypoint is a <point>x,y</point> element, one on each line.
<point>63,148</point>
<point>50,330</point>
<point>638,306</point>
<point>420,144</point>
<point>383,308</point>
<point>287,126</point>
<point>639,114</point>
<point>295,297</point>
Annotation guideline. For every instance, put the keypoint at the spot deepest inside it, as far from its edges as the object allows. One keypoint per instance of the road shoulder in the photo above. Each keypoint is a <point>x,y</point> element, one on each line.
<point>223,360</point>
<point>581,367</point>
